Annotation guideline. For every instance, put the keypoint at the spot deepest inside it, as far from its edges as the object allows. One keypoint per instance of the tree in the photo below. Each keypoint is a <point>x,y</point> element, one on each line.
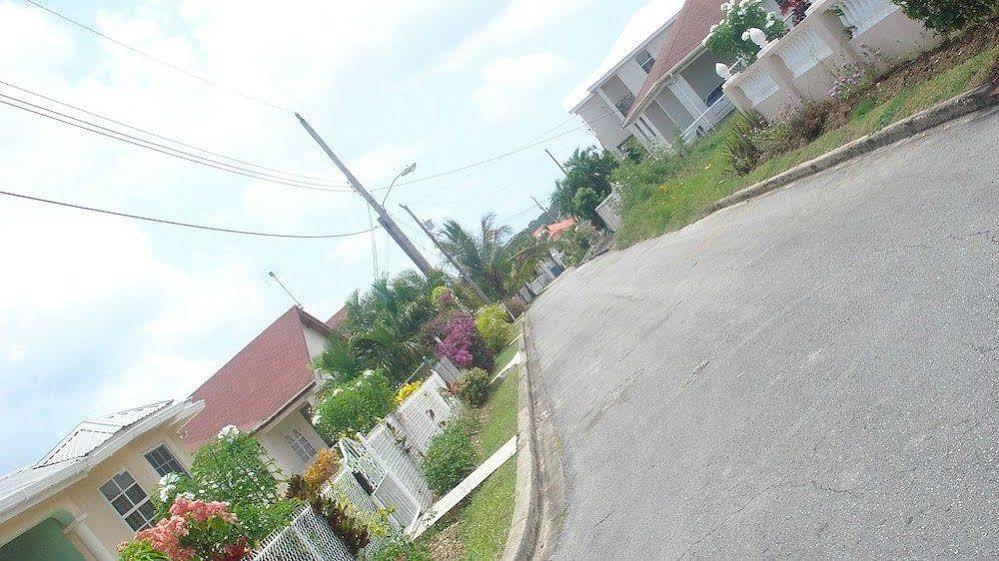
<point>382,327</point>
<point>484,254</point>
<point>587,169</point>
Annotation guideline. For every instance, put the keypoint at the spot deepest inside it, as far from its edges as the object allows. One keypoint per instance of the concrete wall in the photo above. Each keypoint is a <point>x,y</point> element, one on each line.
<point>604,121</point>
<point>84,497</point>
<point>272,438</point>
<point>804,63</point>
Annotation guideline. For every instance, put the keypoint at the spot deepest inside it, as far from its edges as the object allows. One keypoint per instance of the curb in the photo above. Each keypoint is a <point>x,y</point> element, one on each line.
<point>527,504</point>
<point>958,106</point>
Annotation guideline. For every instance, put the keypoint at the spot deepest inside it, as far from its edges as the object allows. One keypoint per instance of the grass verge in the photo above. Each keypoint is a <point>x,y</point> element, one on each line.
<point>706,176</point>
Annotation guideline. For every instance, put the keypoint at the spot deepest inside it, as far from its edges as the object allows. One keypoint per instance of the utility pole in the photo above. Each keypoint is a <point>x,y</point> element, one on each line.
<point>557,163</point>
<point>457,265</point>
<point>545,209</point>
<point>384,219</point>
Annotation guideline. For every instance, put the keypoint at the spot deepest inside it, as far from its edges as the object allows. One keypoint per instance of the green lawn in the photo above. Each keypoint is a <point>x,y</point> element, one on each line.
<point>485,519</point>
<point>482,521</point>
<point>505,356</point>
<point>706,175</point>
<point>498,417</point>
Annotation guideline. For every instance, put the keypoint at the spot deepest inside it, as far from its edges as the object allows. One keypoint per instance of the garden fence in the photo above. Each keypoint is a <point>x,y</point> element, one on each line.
<point>307,538</point>
<point>381,470</point>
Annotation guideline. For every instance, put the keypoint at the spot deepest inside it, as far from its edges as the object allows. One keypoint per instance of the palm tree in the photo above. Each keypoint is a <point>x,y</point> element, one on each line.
<point>382,328</point>
<point>497,264</point>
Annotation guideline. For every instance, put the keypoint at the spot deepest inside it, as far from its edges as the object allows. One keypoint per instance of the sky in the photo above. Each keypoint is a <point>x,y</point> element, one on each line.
<point>101,313</point>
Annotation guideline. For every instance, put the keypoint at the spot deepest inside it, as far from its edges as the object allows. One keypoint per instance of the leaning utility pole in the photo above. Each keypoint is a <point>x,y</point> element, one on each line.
<point>544,209</point>
<point>383,217</point>
<point>557,163</point>
<point>457,264</point>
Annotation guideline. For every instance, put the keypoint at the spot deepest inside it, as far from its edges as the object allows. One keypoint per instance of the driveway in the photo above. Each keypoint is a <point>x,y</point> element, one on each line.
<point>811,374</point>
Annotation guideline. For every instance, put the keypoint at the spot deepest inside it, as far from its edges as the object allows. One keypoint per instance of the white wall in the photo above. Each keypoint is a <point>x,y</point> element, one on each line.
<point>606,128</point>
<point>272,439</point>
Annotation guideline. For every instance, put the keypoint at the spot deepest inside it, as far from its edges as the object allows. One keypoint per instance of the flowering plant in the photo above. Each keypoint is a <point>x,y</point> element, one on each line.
<point>461,343</point>
<point>796,8</point>
<point>406,390</point>
<point>194,531</point>
<point>443,297</point>
<point>729,39</point>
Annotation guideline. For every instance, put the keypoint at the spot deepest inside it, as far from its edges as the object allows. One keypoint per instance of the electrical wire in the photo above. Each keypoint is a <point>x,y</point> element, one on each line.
<point>163,149</point>
<point>156,135</point>
<point>172,66</point>
<point>498,157</point>
<point>179,223</point>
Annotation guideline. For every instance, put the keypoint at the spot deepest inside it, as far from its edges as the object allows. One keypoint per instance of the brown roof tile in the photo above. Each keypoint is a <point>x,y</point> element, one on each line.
<point>692,24</point>
<point>259,382</point>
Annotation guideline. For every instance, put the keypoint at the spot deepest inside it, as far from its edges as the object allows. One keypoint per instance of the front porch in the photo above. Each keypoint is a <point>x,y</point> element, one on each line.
<point>60,536</point>
<point>688,104</point>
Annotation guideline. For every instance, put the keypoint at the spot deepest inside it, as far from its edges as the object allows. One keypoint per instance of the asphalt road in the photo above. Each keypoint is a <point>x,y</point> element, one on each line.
<point>812,374</point>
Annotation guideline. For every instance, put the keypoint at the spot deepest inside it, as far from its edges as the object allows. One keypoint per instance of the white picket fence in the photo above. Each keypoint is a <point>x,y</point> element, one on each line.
<point>307,538</point>
<point>381,470</point>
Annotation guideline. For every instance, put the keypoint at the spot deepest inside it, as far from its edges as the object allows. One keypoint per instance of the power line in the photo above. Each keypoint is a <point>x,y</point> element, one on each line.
<point>156,135</point>
<point>178,223</point>
<point>157,147</point>
<point>172,66</point>
<point>498,157</point>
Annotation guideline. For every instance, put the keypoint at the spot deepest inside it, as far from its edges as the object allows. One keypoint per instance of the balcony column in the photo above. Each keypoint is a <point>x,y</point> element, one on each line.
<point>687,96</point>
<point>78,529</point>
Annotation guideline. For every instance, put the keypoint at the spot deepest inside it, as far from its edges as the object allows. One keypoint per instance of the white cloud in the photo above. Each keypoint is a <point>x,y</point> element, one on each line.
<point>644,22</point>
<point>520,20</point>
<point>508,84</point>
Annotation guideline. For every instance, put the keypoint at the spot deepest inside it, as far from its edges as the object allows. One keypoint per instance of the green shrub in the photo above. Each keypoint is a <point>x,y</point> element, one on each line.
<point>728,39</point>
<point>401,549</point>
<point>355,406</point>
<point>947,16</point>
<point>450,458</point>
<point>475,387</point>
<point>638,180</point>
<point>742,150</point>
<point>493,326</point>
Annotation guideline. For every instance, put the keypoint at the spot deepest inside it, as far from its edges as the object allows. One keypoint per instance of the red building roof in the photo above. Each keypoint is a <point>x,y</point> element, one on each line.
<point>555,230</point>
<point>259,382</point>
<point>337,318</point>
<point>692,24</point>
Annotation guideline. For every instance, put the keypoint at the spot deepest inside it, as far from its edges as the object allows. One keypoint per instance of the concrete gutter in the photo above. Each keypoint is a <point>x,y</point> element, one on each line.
<point>527,504</point>
<point>958,106</point>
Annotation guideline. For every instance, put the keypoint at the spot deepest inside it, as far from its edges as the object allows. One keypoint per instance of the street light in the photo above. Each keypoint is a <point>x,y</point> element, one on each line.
<point>408,170</point>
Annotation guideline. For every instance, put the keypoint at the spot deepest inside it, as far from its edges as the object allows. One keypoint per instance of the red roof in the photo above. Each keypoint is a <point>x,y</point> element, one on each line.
<point>690,27</point>
<point>337,318</point>
<point>259,382</point>
<point>555,230</point>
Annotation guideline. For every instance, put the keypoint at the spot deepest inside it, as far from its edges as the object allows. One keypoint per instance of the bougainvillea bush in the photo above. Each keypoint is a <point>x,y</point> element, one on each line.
<point>355,406</point>
<point>729,40</point>
<point>195,530</point>
<point>461,343</point>
<point>233,468</point>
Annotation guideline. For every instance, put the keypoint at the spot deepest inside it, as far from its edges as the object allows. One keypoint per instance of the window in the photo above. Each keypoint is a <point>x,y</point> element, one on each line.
<point>298,443</point>
<point>130,501</point>
<point>624,104</point>
<point>645,60</point>
<point>163,461</point>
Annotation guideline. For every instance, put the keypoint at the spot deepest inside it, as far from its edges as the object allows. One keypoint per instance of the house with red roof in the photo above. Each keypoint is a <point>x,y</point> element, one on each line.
<point>666,88</point>
<point>268,388</point>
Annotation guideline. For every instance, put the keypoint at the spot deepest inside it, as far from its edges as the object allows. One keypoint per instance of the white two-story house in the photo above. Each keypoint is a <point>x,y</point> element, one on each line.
<point>664,89</point>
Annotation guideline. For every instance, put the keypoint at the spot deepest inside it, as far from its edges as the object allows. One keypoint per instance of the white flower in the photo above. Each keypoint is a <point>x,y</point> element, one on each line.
<point>229,432</point>
<point>316,418</point>
<point>186,495</point>
<point>769,24</point>
<point>368,373</point>
<point>745,35</point>
<point>165,493</point>
<point>169,479</point>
